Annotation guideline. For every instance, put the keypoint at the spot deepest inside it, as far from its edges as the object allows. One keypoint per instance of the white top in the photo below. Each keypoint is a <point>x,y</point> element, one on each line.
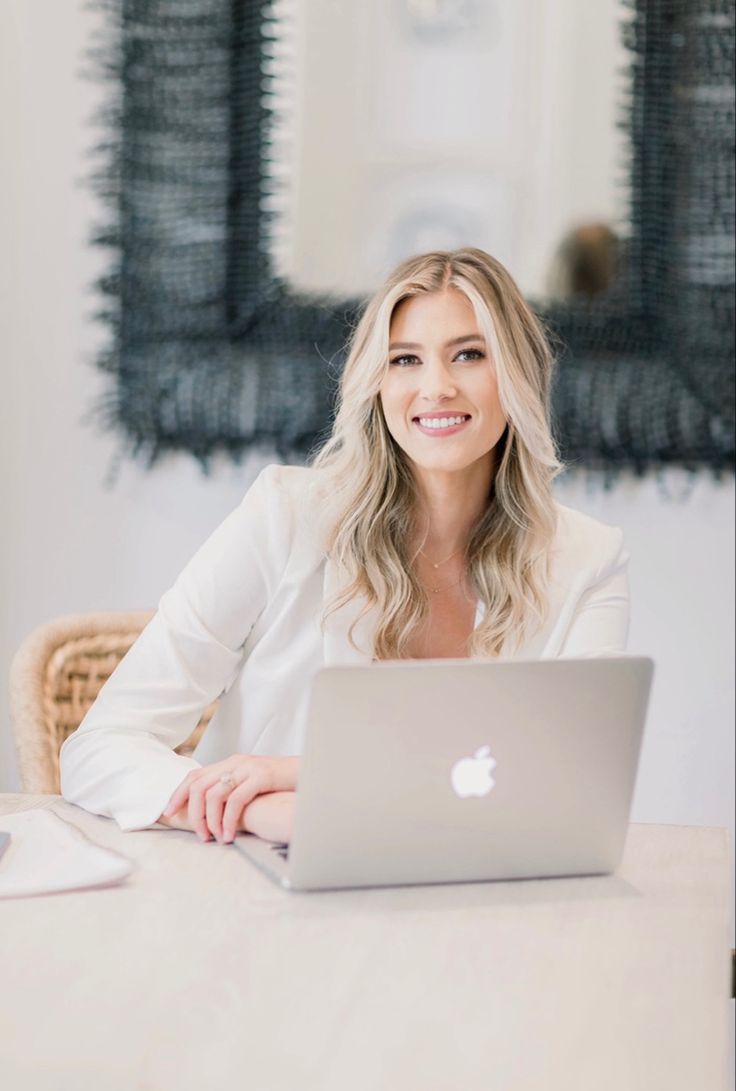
<point>243,621</point>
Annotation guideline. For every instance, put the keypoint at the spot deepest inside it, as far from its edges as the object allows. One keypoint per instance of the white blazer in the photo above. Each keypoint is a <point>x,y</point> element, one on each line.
<point>243,621</point>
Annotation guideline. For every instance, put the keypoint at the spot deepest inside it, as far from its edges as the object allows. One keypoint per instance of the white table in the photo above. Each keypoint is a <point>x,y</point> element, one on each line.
<point>197,972</point>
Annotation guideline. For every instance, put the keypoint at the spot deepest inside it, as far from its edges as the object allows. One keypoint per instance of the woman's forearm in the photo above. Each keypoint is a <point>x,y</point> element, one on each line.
<point>268,816</point>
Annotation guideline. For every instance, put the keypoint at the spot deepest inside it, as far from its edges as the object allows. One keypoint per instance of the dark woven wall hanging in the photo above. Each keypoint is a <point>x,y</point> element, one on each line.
<point>210,351</point>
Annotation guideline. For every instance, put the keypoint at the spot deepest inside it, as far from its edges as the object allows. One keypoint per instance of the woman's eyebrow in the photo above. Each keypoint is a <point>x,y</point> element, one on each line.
<point>448,344</point>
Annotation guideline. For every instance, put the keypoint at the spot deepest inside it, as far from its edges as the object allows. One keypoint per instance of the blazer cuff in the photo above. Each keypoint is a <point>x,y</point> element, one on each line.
<point>143,811</point>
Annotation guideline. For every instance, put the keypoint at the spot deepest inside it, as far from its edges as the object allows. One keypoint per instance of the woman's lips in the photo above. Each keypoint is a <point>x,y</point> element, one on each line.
<point>448,430</point>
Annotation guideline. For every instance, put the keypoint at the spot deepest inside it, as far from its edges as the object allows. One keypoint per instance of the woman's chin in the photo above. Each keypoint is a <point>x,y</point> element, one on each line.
<point>441,462</point>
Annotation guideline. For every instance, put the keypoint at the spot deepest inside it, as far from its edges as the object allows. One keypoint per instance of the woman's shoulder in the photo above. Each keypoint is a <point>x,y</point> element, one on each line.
<point>291,498</point>
<point>294,488</point>
<point>582,542</point>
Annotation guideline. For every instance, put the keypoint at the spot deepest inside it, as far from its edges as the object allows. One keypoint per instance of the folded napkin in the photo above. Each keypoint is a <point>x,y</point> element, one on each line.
<point>47,854</point>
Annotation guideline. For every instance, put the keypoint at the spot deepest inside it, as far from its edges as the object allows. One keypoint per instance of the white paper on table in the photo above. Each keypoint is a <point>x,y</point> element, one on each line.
<point>47,854</point>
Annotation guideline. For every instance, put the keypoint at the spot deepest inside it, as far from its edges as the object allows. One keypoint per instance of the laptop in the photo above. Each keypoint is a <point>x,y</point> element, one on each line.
<point>447,771</point>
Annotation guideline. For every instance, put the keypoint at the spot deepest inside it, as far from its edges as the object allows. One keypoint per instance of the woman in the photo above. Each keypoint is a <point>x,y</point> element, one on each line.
<point>425,527</point>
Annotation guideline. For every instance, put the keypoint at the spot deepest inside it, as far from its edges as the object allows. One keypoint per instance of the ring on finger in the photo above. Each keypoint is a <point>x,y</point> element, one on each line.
<point>227,779</point>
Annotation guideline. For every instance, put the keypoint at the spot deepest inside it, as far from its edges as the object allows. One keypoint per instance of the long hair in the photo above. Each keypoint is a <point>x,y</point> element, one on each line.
<point>368,493</point>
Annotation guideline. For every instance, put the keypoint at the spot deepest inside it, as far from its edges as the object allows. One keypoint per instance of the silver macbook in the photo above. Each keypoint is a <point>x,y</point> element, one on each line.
<point>445,771</point>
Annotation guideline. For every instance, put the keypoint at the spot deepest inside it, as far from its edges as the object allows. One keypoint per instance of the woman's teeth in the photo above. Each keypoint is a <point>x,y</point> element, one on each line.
<point>441,422</point>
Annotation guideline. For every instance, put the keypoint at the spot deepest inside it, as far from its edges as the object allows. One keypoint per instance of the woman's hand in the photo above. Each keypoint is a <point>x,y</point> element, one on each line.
<point>214,808</point>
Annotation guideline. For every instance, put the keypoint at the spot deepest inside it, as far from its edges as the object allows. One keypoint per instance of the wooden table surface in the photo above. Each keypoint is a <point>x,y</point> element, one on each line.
<point>198,972</point>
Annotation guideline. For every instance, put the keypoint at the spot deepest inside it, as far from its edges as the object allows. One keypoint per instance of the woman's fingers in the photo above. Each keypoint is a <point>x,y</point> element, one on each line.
<point>214,807</point>
<point>204,776</point>
<point>215,799</point>
<point>207,797</point>
<point>238,799</point>
<point>181,794</point>
<point>197,811</point>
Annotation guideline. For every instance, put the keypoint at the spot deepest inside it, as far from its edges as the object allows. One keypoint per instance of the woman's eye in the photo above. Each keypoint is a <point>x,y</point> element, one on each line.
<point>406,361</point>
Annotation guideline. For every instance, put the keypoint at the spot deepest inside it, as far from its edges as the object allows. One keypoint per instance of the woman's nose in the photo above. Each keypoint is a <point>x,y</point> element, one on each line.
<point>437,383</point>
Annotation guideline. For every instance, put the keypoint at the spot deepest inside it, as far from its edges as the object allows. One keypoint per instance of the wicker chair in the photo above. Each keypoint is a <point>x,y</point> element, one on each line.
<point>56,675</point>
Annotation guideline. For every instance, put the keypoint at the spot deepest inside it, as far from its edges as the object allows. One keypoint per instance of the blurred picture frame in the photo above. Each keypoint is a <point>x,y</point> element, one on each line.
<point>212,350</point>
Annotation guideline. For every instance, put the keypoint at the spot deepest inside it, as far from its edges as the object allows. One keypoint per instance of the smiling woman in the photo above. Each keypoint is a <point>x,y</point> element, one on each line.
<point>414,402</point>
<point>446,391</point>
<point>445,409</point>
<point>424,527</point>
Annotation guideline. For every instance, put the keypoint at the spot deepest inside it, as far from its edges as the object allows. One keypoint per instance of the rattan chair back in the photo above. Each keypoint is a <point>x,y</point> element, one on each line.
<point>54,678</point>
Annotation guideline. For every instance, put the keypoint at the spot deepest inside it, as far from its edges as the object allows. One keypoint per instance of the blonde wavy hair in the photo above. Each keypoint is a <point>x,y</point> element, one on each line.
<point>368,493</point>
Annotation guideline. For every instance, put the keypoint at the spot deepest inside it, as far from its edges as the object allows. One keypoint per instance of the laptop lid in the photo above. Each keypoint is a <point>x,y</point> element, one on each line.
<point>427,771</point>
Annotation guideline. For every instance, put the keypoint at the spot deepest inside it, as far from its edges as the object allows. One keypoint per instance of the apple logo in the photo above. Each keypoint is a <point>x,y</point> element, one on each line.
<point>474,776</point>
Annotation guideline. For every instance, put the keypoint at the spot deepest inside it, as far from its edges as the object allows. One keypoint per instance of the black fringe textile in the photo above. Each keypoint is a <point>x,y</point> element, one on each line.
<point>210,351</point>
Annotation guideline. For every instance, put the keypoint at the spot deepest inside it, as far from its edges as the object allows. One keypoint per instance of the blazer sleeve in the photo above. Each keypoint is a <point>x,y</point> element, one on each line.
<point>600,624</point>
<point>120,762</point>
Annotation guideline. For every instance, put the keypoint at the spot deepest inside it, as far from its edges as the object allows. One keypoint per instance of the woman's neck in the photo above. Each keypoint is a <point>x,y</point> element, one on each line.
<point>449,505</point>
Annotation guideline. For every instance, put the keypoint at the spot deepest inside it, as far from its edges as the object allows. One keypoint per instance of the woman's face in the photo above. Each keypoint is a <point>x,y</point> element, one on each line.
<point>439,395</point>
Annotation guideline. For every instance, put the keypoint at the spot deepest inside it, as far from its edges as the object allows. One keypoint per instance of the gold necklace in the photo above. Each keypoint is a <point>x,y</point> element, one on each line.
<point>436,590</point>
<point>439,563</point>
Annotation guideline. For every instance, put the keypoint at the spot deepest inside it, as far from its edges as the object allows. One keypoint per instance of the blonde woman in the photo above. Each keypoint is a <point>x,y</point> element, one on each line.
<point>424,528</point>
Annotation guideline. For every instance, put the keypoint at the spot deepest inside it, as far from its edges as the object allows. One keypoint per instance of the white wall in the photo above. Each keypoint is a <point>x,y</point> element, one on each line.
<point>71,544</point>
